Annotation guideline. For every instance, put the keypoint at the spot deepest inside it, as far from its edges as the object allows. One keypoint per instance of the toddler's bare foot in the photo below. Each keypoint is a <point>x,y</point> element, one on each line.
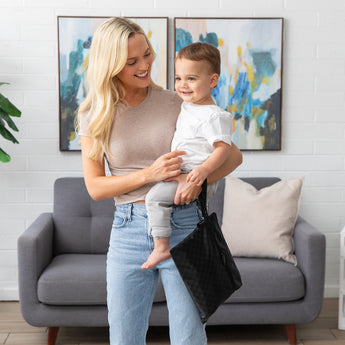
<point>156,257</point>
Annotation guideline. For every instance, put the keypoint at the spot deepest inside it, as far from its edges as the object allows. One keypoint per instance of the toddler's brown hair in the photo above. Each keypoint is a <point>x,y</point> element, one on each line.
<point>200,51</point>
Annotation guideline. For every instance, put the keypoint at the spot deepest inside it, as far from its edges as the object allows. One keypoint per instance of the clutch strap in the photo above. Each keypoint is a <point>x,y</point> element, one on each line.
<point>202,199</point>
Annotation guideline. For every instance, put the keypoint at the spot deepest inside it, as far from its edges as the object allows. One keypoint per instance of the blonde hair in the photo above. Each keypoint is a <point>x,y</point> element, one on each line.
<point>108,56</point>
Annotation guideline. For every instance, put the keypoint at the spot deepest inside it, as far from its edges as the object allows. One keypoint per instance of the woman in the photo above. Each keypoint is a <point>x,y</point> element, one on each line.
<point>129,121</point>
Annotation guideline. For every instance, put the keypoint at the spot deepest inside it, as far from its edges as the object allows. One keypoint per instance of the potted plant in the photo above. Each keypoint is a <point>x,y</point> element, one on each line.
<point>7,109</point>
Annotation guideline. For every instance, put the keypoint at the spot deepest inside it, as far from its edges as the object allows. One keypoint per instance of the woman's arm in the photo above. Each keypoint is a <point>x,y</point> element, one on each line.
<point>101,186</point>
<point>187,192</point>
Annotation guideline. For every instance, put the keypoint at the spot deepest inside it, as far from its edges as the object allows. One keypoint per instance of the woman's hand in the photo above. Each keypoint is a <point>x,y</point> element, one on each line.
<point>166,166</point>
<point>186,192</point>
<point>101,186</point>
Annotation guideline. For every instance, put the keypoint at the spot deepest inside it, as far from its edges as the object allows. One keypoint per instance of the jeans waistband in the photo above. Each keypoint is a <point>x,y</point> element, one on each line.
<point>132,208</point>
<point>192,204</point>
<point>140,209</point>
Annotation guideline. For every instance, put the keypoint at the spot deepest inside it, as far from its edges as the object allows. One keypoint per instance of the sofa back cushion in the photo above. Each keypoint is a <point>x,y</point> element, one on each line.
<point>82,225</point>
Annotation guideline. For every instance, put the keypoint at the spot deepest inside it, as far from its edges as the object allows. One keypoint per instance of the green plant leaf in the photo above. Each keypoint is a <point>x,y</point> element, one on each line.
<point>11,124</point>
<point>7,135</point>
<point>8,107</point>
<point>4,157</point>
<point>4,83</point>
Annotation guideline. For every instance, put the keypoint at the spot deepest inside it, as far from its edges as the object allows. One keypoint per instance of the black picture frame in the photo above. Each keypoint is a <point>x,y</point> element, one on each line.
<point>250,84</point>
<point>74,40</point>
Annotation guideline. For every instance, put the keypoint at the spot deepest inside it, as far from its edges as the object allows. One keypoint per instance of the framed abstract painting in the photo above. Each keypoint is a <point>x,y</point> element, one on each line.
<point>250,83</point>
<point>74,41</point>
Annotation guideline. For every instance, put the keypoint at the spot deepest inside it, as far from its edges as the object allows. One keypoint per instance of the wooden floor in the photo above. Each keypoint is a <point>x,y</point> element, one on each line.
<point>14,330</point>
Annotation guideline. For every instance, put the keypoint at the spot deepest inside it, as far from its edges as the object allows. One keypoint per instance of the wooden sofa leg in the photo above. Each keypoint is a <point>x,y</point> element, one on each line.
<point>291,334</point>
<point>52,335</point>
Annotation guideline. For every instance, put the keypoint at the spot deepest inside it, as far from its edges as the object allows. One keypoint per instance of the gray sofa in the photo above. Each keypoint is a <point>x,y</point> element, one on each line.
<point>62,259</point>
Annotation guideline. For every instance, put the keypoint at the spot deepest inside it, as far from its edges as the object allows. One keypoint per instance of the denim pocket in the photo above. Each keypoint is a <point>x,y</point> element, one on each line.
<point>185,218</point>
<point>120,220</point>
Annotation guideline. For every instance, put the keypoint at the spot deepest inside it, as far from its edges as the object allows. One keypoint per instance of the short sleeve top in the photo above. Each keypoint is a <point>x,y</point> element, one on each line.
<point>198,128</point>
<point>139,136</point>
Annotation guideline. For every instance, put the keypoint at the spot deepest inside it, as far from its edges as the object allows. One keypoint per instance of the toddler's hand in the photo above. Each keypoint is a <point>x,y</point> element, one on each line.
<point>197,176</point>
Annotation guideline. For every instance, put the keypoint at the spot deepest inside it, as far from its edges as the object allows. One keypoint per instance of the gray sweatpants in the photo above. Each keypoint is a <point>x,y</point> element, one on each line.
<point>159,201</point>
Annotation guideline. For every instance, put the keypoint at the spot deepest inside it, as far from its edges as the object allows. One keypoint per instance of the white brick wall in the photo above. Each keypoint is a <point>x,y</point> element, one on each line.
<point>313,131</point>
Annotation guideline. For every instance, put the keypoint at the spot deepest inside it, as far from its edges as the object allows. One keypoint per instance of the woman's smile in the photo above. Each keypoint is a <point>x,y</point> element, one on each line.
<point>142,75</point>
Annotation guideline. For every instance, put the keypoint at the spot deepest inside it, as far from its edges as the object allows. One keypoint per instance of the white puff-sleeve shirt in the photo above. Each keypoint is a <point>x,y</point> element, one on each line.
<point>198,127</point>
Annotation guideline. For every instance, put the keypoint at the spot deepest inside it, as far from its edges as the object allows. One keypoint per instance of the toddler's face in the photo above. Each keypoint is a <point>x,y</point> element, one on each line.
<point>194,81</point>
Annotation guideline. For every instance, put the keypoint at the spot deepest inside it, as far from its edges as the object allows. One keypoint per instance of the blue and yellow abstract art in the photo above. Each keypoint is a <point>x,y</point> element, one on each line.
<point>75,37</point>
<point>250,84</point>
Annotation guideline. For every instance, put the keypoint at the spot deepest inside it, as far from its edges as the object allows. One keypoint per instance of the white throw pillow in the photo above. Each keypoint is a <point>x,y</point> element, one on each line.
<point>260,223</point>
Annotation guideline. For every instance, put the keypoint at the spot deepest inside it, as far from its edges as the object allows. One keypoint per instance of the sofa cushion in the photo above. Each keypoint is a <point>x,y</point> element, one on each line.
<point>81,225</point>
<point>268,280</point>
<point>78,279</point>
<point>260,223</point>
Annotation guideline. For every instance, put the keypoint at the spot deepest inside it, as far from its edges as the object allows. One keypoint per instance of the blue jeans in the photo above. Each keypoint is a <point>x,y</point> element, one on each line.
<point>130,290</point>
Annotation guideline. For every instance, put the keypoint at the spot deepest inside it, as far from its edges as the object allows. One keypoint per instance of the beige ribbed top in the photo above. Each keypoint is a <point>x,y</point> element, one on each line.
<point>140,135</point>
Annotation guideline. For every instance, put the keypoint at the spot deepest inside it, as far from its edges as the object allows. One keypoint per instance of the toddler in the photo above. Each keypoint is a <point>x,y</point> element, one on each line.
<point>203,131</point>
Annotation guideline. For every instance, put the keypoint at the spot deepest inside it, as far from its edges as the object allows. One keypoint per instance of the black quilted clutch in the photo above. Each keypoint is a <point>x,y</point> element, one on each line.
<point>206,264</point>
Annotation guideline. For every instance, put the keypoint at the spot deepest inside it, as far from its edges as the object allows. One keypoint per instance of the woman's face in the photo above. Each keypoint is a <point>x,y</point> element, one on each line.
<point>137,71</point>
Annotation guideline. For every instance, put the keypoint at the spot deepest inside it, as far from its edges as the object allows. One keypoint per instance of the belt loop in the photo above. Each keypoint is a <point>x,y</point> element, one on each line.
<point>129,215</point>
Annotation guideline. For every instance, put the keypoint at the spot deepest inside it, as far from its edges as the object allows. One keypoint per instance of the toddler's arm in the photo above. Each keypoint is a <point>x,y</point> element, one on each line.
<point>214,161</point>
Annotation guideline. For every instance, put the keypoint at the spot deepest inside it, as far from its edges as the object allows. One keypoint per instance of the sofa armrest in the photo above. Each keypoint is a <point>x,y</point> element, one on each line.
<point>310,252</point>
<point>35,251</point>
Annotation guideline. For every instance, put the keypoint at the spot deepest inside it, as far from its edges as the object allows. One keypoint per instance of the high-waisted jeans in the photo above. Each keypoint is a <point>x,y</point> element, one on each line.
<point>131,290</point>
